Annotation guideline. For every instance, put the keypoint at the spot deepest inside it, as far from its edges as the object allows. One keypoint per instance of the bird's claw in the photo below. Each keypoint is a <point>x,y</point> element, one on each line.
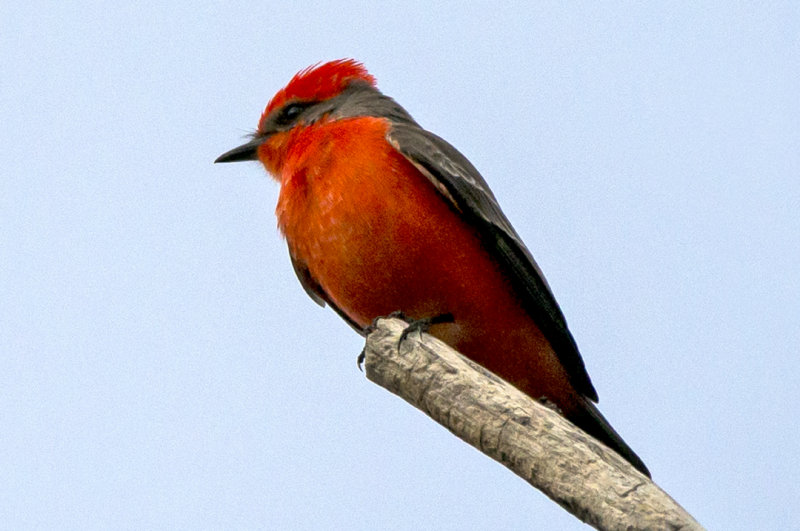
<point>422,325</point>
<point>414,325</point>
<point>397,314</point>
<point>361,358</point>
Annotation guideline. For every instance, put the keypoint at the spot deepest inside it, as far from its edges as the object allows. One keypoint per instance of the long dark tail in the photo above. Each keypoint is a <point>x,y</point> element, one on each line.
<point>590,420</point>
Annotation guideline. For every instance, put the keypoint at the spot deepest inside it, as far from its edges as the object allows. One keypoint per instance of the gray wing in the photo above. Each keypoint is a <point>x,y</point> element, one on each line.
<point>461,184</point>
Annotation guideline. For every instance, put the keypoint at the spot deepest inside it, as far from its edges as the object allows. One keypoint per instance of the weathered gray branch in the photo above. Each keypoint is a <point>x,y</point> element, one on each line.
<point>536,443</point>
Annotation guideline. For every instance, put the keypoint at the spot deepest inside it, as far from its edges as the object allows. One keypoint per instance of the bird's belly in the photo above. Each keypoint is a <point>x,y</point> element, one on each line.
<point>387,241</point>
<point>425,261</point>
<point>380,238</point>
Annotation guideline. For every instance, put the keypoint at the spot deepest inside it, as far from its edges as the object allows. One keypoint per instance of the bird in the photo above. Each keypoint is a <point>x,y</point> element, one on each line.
<point>381,215</point>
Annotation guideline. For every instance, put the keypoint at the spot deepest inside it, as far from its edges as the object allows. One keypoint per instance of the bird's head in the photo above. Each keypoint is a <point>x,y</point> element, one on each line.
<point>329,91</point>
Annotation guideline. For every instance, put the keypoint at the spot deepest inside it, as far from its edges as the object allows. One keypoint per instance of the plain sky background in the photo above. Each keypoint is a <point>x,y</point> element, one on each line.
<point>161,367</point>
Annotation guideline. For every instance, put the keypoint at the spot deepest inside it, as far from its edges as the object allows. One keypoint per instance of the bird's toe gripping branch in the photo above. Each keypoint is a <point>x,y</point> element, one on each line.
<point>414,325</point>
<point>397,314</point>
<point>422,325</point>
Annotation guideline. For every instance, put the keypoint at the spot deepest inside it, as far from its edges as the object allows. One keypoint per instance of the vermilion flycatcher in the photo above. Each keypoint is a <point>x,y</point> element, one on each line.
<point>381,216</point>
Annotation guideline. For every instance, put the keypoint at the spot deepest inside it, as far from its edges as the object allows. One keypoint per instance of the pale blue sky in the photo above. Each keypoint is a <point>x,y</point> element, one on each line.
<point>160,366</point>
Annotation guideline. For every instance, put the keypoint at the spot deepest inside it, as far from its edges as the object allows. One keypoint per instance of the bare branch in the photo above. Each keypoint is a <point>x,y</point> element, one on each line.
<point>579,473</point>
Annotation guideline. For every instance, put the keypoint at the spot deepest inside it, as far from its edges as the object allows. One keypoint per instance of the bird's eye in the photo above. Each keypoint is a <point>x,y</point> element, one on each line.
<point>291,112</point>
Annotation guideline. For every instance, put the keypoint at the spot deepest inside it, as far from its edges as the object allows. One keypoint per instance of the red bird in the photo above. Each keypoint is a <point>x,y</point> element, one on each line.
<point>381,215</point>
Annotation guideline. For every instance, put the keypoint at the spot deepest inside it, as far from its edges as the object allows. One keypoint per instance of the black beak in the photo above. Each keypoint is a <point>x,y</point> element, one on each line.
<point>244,152</point>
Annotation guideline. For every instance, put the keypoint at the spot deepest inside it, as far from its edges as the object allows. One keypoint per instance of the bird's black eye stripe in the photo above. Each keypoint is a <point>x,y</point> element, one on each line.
<point>289,113</point>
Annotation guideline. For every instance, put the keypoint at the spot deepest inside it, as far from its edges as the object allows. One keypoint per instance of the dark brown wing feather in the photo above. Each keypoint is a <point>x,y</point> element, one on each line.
<point>461,184</point>
<point>318,294</point>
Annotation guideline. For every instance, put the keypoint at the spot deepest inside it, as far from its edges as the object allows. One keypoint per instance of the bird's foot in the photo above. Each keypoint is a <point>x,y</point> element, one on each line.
<point>414,325</point>
<point>397,314</point>
<point>422,325</point>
